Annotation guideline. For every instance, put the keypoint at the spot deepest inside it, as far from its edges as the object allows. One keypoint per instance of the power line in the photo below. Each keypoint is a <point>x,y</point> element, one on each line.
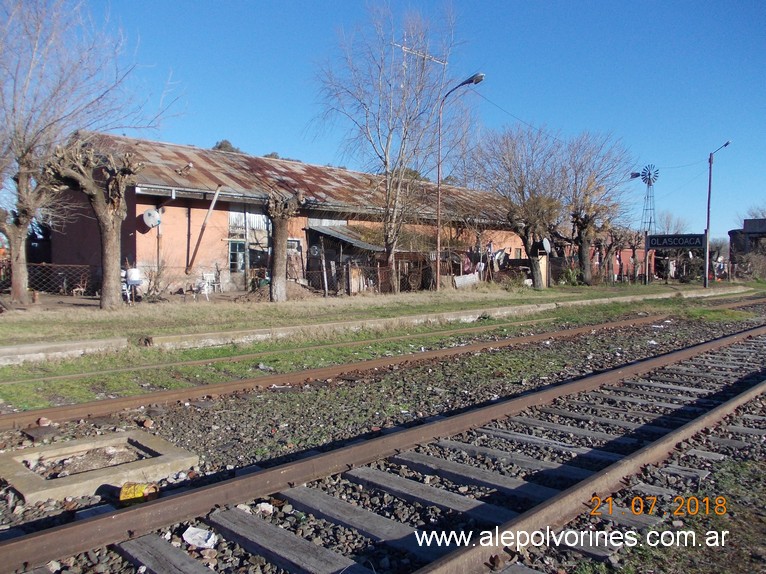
<point>682,166</point>
<point>526,123</point>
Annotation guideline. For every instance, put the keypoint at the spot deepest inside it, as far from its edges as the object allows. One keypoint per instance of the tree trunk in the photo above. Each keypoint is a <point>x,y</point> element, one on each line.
<point>583,256</point>
<point>609,260</point>
<point>534,262</point>
<point>111,284</point>
<point>393,277</point>
<point>17,236</point>
<point>279,259</point>
<point>537,272</point>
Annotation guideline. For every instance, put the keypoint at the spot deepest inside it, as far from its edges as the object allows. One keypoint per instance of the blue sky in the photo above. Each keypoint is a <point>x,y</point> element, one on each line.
<point>673,80</point>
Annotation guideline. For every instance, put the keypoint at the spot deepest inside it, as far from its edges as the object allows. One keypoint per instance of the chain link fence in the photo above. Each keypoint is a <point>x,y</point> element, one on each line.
<point>351,279</point>
<point>335,279</point>
<point>5,274</point>
<point>63,279</point>
<point>55,279</point>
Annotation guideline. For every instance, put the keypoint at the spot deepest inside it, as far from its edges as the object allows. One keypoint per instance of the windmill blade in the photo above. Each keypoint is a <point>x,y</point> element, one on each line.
<point>650,174</point>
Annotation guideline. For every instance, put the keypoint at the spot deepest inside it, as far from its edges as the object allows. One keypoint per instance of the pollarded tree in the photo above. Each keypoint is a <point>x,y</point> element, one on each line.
<point>104,179</point>
<point>59,75</point>
<point>523,166</point>
<point>595,170</point>
<point>613,241</point>
<point>281,208</point>
<point>387,89</point>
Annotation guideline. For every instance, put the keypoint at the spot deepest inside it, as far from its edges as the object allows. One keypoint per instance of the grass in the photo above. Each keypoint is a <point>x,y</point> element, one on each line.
<point>68,324</point>
<point>304,351</point>
<point>743,484</point>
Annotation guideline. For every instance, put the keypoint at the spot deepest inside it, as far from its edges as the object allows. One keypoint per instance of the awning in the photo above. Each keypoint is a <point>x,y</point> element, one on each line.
<point>346,234</point>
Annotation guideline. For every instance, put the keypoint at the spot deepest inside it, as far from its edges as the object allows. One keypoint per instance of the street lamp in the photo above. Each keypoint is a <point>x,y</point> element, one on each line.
<point>475,79</point>
<point>707,227</point>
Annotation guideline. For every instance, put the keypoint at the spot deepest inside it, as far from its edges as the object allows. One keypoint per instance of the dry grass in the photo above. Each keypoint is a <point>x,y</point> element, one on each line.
<point>62,321</point>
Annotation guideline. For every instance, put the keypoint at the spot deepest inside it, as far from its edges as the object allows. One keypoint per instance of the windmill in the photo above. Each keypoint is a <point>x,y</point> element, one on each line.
<point>648,223</point>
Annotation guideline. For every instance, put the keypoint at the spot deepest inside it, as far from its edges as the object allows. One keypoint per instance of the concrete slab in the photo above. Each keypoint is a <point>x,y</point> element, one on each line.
<point>17,354</point>
<point>41,352</point>
<point>164,459</point>
<point>465,316</point>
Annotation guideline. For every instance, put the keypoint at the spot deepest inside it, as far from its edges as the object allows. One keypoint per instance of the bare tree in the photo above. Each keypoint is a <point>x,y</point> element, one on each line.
<point>666,259</point>
<point>757,212</point>
<point>59,75</point>
<point>595,170</point>
<point>104,179</point>
<point>523,166</point>
<point>387,88</point>
<point>670,224</point>
<point>616,238</point>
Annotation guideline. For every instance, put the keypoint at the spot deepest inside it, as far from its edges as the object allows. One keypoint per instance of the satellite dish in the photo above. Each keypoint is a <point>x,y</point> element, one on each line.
<point>151,218</point>
<point>547,245</point>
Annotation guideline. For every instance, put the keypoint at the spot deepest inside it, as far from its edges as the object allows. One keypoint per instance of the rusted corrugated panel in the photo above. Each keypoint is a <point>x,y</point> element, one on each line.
<point>325,188</point>
<point>347,234</point>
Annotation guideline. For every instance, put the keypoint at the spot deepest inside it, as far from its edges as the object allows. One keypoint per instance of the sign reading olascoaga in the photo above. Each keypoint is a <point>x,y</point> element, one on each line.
<point>685,241</point>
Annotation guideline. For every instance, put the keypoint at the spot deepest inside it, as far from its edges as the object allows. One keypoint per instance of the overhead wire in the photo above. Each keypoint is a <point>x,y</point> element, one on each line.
<point>550,135</point>
<point>517,118</point>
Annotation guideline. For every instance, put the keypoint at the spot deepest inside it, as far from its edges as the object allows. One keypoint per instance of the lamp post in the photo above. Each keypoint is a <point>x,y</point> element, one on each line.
<point>705,281</point>
<point>475,79</point>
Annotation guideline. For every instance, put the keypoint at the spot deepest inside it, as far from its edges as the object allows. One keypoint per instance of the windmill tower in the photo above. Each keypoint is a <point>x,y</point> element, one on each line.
<point>648,222</point>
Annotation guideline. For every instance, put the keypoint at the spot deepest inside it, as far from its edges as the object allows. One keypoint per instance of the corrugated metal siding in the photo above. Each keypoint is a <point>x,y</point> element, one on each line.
<point>248,178</point>
<point>254,221</point>
<point>317,222</point>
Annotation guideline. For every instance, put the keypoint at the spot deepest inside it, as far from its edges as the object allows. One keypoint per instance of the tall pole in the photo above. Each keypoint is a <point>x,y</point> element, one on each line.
<point>475,79</point>
<point>705,281</point>
<point>646,257</point>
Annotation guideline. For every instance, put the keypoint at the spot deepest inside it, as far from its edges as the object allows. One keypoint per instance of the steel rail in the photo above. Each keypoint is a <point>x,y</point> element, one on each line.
<point>108,406</point>
<point>568,504</point>
<point>282,351</point>
<point>69,539</point>
<point>250,356</point>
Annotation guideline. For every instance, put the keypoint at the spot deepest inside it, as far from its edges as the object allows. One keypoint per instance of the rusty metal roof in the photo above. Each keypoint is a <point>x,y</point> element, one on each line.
<point>250,178</point>
<point>347,234</point>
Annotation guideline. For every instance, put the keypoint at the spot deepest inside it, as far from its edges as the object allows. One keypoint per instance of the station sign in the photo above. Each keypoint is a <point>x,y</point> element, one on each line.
<point>684,241</point>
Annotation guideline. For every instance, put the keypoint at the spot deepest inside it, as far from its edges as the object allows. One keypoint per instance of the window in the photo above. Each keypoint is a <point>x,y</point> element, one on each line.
<point>518,253</point>
<point>236,256</point>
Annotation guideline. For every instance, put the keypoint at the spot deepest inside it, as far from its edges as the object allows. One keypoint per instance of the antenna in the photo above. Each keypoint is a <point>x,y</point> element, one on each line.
<point>423,55</point>
<point>649,175</point>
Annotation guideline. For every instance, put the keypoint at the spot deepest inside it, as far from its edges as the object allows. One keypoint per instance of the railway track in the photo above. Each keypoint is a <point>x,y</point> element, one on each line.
<point>450,331</point>
<point>525,464</point>
<point>105,407</point>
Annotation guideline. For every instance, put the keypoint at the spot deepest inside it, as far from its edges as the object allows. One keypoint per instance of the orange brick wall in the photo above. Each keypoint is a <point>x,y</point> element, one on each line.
<point>173,243</point>
<point>78,240</point>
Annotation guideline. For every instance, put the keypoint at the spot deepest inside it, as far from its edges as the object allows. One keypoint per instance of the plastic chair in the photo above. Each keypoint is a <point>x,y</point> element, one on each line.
<point>211,282</point>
